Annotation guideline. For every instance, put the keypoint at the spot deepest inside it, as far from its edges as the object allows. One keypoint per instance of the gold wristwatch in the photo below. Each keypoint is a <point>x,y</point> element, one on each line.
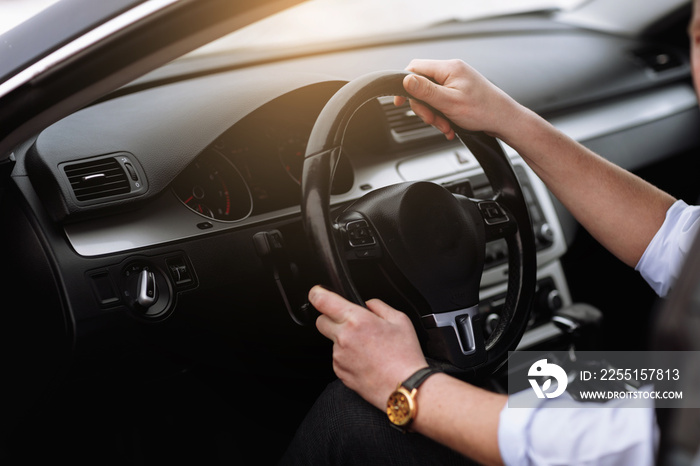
<point>401,406</point>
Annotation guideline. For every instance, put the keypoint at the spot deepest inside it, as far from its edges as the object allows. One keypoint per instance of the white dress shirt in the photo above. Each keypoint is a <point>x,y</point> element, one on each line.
<point>561,431</point>
<point>661,262</point>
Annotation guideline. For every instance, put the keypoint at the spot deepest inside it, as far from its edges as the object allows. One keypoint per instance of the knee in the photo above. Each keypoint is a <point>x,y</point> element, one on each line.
<point>343,413</point>
<point>339,425</point>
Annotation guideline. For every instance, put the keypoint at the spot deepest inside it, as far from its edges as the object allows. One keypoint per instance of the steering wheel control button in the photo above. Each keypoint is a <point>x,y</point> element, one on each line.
<point>360,234</point>
<point>492,212</point>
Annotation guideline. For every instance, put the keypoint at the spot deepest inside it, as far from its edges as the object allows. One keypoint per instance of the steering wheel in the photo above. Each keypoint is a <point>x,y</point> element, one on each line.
<point>433,240</point>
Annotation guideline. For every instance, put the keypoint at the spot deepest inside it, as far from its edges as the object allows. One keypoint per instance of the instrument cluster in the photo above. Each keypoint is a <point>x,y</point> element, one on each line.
<point>254,168</point>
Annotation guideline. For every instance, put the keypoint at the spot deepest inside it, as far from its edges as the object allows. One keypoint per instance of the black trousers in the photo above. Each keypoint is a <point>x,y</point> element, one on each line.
<point>343,429</point>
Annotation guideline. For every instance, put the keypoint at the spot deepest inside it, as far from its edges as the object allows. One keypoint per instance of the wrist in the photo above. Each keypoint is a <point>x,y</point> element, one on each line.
<point>424,399</point>
<point>521,125</point>
<point>402,405</point>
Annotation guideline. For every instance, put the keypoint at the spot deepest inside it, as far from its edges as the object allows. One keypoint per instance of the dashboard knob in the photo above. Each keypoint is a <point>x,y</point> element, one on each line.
<point>545,233</point>
<point>146,289</point>
<point>554,301</point>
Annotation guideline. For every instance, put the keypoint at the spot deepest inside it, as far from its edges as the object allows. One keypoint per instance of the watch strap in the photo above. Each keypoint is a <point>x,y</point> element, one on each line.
<point>418,378</point>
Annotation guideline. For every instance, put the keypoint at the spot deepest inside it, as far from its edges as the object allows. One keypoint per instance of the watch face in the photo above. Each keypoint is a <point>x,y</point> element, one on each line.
<point>400,407</point>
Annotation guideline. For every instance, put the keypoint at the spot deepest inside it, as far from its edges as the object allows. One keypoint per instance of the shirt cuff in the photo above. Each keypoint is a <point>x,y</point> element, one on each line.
<point>513,427</point>
<point>664,256</point>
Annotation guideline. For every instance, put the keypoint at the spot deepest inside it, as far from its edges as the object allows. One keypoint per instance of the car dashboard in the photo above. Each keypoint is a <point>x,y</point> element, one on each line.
<point>139,213</point>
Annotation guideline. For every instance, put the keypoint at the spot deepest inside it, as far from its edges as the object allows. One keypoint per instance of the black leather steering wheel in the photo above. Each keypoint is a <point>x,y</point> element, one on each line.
<point>433,239</point>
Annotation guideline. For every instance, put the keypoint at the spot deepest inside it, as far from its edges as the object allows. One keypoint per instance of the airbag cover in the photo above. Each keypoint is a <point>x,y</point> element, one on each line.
<point>434,239</point>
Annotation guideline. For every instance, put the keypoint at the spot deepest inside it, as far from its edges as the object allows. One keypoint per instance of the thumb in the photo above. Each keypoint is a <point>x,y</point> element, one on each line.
<point>423,89</point>
<point>430,100</point>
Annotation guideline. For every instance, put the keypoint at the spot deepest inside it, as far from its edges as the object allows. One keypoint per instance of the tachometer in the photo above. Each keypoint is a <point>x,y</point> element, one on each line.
<point>213,187</point>
<point>291,147</point>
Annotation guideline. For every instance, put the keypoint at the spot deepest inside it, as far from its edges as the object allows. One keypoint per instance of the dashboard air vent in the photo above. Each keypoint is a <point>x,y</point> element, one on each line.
<point>405,125</point>
<point>97,179</point>
<point>658,59</point>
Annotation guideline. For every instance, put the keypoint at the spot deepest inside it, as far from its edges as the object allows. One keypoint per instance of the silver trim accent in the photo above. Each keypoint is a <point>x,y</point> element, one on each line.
<point>95,176</point>
<point>146,289</point>
<point>538,335</point>
<point>449,319</point>
<point>569,325</point>
<point>627,113</point>
<point>83,42</point>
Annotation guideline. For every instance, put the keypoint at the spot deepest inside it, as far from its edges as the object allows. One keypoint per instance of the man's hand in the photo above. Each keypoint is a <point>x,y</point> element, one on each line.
<point>374,348</point>
<point>461,94</point>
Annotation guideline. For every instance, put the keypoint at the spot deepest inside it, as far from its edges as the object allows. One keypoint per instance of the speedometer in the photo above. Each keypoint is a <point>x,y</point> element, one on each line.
<point>212,187</point>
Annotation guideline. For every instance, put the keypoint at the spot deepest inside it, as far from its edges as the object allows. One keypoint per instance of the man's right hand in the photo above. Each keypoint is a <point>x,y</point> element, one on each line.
<point>461,94</point>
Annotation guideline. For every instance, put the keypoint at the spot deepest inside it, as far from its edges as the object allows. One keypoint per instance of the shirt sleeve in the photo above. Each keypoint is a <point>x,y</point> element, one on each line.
<point>661,263</point>
<point>563,431</point>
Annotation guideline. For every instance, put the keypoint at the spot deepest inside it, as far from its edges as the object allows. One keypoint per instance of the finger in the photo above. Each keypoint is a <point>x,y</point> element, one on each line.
<point>420,87</point>
<point>446,128</point>
<point>327,327</point>
<point>381,309</point>
<point>391,315</point>
<point>331,304</point>
<point>439,97</point>
<point>426,114</point>
<point>439,70</point>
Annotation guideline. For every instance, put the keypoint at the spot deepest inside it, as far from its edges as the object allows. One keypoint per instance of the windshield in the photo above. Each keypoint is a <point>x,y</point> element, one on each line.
<point>323,21</point>
<point>14,12</point>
